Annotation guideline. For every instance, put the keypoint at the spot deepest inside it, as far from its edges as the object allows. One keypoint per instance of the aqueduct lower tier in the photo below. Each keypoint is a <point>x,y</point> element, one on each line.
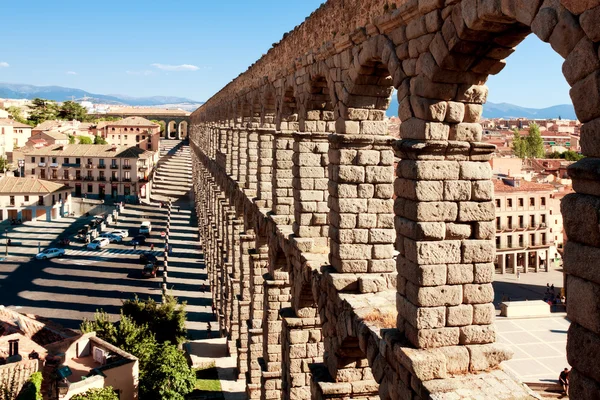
<point>335,277</point>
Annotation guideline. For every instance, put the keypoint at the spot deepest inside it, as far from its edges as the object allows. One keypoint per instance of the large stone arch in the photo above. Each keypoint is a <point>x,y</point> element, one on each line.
<point>287,107</point>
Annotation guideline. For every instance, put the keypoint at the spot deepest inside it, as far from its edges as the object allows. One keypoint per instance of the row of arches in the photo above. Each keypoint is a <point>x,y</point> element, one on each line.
<point>437,211</point>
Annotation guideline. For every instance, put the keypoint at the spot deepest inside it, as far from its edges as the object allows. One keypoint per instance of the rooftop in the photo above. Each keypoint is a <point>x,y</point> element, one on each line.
<point>504,186</point>
<point>88,150</point>
<point>13,185</point>
<point>131,121</point>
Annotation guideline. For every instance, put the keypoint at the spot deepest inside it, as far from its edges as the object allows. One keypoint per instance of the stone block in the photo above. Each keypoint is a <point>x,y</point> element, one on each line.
<point>420,230</point>
<point>477,334</point>
<point>428,109</point>
<point>384,191</point>
<point>434,296</point>
<point>457,359</point>
<point>349,174</point>
<point>478,251</point>
<point>589,23</point>
<point>367,157</point>
<point>433,253</point>
<point>460,274</point>
<point>478,293</point>
<point>354,251</point>
<point>376,174</point>
<point>583,306</point>
<point>483,273</point>
<point>455,112</point>
<point>422,317</point>
<point>585,95</point>
<point>365,190</point>
<point>470,211</point>
<point>430,170</point>
<point>483,314</point>
<point>457,231</point>
<point>433,338</point>
<point>457,190</point>
<point>415,128</point>
<point>419,190</point>
<point>466,132</point>
<point>487,356</point>
<point>485,230</point>
<point>460,315</point>
<point>430,211</point>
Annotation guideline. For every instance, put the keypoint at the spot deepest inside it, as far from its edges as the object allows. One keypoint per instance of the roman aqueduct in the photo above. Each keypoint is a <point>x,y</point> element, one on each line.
<point>348,264</point>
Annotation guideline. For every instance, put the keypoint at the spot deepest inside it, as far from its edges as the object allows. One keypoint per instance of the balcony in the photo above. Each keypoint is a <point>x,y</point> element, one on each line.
<point>126,166</point>
<point>101,166</point>
<point>126,179</point>
<point>42,164</point>
<point>114,179</point>
<point>88,178</point>
<point>78,177</point>
<point>101,179</point>
<point>40,203</point>
<point>143,168</point>
<point>113,166</point>
<point>53,165</point>
<point>71,165</point>
<point>90,166</point>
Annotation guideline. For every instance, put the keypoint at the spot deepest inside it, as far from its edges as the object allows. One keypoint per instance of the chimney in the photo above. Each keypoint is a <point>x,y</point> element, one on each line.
<point>13,347</point>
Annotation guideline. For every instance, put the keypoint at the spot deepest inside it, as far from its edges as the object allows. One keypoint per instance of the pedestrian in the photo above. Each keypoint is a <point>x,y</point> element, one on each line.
<point>134,246</point>
<point>518,274</point>
<point>152,247</point>
<point>563,378</point>
<point>208,331</point>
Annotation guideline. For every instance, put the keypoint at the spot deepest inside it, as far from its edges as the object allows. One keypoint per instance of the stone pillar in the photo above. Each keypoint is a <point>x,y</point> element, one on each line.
<point>445,224</point>
<point>582,267</point>
<point>283,193</point>
<point>302,345</point>
<point>525,261</point>
<point>234,333</point>
<point>252,164</point>
<point>246,248</point>
<point>222,149</point>
<point>310,179</point>
<point>258,267</point>
<point>229,152</point>
<point>361,175</point>
<point>235,148</point>
<point>243,158</point>
<point>264,194</point>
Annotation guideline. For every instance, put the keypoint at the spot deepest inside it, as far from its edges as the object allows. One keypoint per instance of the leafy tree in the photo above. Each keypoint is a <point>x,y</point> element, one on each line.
<point>166,320</point>
<point>106,393</point>
<point>535,143</point>
<point>169,376</point>
<point>17,115</point>
<point>519,144</point>
<point>72,139</point>
<point>100,140</point>
<point>70,110</point>
<point>85,140</point>
<point>42,110</point>
<point>102,326</point>
<point>554,154</point>
<point>161,123</point>
<point>3,164</point>
<point>571,155</point>
<point>9,385</point>
<point>32,390</point>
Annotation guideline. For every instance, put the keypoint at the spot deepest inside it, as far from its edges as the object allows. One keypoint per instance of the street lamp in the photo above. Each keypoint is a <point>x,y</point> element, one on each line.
<point>6,241</point>
<point>21,164</point>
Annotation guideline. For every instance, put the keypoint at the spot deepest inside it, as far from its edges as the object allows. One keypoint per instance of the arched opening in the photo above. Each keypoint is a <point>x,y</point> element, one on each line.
<point>318,115</point>
<point>171,130</point>
<point>182,132</point>
<point>288,111</point>
<point>269,108</point>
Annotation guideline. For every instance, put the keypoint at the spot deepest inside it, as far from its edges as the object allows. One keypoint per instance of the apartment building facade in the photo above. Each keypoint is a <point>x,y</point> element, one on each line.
<point>31,199</point>
<point>13,135</point>
<point>105,172</point>
<point>130,132</point>
<point>524,236</point>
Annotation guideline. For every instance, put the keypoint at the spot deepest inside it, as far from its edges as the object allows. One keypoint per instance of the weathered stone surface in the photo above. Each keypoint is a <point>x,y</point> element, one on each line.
<point>583,306</point>
<point>432,253</point>
<point>486,356</point>
<point>478,251</point>
<point>461,315</point>
<point>449,295</point>
<point>585,95</point>
<point>589,23</point>
<point>478,293</point>
<point>460,273</point>
<point>583,348</point>
<point>483,314</point>
<point>477,334</point>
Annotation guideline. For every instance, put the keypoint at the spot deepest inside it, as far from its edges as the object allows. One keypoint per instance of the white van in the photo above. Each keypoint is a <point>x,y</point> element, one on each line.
<point>145,228</point>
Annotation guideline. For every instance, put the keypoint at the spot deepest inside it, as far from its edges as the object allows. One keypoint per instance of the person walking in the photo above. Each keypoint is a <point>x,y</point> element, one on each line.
<point>564,380</point>
<point>134,246</point>
<point>151,246</point>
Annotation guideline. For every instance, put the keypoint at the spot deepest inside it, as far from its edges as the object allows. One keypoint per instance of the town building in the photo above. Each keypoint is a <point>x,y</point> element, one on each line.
<point>31,199</point>
<point>48,138</point>
<point>524,235</point>
<point>94,171</point>
<point>132,131</point>
<point>13,134</point>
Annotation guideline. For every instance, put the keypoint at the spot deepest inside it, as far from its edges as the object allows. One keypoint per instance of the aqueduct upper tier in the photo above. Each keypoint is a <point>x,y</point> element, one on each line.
<point>335,277</point>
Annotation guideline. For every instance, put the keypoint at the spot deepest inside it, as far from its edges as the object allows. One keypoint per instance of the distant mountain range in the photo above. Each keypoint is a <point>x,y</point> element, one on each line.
<point>59,93</point>
<point>506,110</point>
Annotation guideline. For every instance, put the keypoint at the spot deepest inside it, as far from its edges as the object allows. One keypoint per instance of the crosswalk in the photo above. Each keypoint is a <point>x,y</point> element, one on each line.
<point>109,253</point>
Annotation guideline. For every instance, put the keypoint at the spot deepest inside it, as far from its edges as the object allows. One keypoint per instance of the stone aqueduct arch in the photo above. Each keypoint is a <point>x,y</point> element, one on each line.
<point>301,211</point>
<point>179,119</point>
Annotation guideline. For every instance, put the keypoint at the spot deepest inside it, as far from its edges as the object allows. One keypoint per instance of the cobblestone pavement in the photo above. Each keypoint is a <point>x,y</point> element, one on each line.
<point>72,288</point>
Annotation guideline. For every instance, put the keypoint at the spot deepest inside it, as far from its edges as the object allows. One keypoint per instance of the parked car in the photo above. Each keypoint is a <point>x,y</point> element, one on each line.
<point>50,253</point>
<point>139,240</point>
<point>145,228</point>
<point>111,237</point>
<point>150,270</point>
<point>148,257</point>
<point>121,232</point>
<point>98,243</point>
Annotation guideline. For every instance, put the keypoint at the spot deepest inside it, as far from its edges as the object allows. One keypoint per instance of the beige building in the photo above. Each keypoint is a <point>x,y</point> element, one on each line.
<point>13,135</point>
<point>31,199</point>
<point>93,171</point>
<point>132,131</point>
<point>87,362</point>
<point>524,238</point>
<point>49,138</point>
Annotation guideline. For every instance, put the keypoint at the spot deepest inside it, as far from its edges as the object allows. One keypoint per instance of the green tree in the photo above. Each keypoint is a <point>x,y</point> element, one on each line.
<point>554,154</point>
<point>3,163</point>
<point>85,140</point>
<point>106,393</point>
<point>100,140</point>
<point>166,320</point>
<point>17,115</point>
<point>535,143</point>
<point>161,123</point>
<point>70,110</point>
<point>571,155</point>
<point>42,110</point>
<point>32,390</point>
<point>72,139</point>
<point>519,144</point>
<point>169,376</point>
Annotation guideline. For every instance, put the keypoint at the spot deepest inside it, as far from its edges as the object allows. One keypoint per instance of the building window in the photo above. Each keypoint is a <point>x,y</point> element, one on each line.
<point>543,238</point>
<point>532,202</point>
<point>54,174</point>
<point>40,200</point>
<point>532,239</point>
<point>26,198</point>
<point>543,218</point>
<point>497,242</point>
<point>126,190</point>
<point>125,137</point>
<point>78,161</point>
<point>12,200</point>
<point>521,202</point>
<point>53,160</point>
<point>532,220</point>
<point>32,159</point>
<point>498,203</point>
<point>66,175</point>
<point>90,188</point>
<point>137,138</point>
<point>42,159</point>
<point>33,171</point>
<point>509,241</point>
<point>66,160</point>
<point>521,223</point>
<point>521,244</point>
<point>101,161</point>
<point>143,137</point>
<point>543,200</point>
<point>509,222</point>
<point>498,226</point>
<point>113,163</point>
<point>509,203</point>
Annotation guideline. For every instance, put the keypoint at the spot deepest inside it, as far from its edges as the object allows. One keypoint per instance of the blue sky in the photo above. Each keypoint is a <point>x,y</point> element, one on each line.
<point>192,48</point>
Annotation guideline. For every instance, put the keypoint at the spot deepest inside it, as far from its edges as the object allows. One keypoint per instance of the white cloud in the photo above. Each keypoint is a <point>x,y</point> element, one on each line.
<point>4,64</point>
<point>140,73</point>
<point>182,67</point>
<point>71,73</point>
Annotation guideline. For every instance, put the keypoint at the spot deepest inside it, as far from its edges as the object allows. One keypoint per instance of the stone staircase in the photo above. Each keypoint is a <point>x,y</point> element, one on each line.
<point>547,390</point>
<point>173,176</point>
